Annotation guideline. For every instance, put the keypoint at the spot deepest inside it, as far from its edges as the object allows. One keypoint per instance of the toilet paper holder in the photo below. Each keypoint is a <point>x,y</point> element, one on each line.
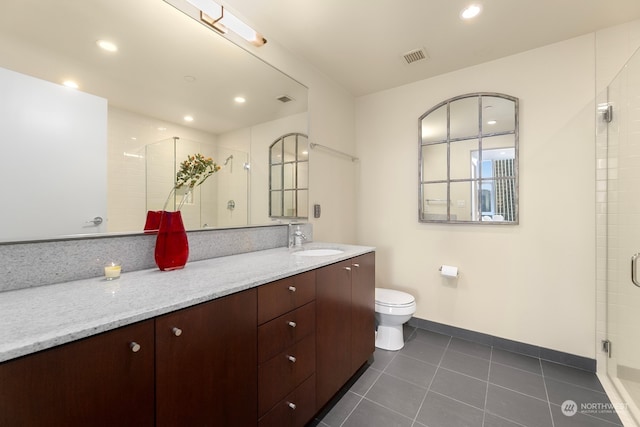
<point>449,271</point>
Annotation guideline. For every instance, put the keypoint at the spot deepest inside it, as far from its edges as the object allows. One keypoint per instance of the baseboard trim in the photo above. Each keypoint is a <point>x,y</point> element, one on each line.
<point>543,353</point>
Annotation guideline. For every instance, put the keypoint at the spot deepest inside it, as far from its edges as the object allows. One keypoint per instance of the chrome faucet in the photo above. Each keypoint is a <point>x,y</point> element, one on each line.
<point>296,237</point>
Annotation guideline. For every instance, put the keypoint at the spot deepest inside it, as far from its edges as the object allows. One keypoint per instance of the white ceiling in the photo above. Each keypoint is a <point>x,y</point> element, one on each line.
<point>360,43</point>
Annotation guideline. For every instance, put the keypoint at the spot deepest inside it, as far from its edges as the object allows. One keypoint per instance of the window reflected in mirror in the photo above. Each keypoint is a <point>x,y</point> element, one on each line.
<point>469,160</point>
<point>289,177</point>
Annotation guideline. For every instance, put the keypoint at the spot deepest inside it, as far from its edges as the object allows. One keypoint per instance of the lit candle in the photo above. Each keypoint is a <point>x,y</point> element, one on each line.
<point>112,271</point>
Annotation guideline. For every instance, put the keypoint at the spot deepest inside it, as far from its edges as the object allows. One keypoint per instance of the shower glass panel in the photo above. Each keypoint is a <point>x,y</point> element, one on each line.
<point>221,201</point>
<point>623,233</point>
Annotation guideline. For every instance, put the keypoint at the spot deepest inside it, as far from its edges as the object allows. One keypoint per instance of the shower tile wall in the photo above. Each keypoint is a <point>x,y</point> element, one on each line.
<point>128,134</point>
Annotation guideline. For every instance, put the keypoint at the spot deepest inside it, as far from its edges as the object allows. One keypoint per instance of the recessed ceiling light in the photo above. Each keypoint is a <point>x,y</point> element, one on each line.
<point>70,84</point>
<point>107,45</point>
<point>491,122</point>
<point>188,118</point>
<point>240,99</point>
<point>470,11</point>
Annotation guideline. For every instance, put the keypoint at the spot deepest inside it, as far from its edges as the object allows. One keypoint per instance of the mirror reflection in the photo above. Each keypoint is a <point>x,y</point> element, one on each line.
<point>289,177</point>
<point>469,160</point>
<point>89,159</point>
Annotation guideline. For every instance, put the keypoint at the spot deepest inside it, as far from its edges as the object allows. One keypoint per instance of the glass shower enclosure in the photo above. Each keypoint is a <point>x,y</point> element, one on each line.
<point>622,113</point>
<point>221,201</point>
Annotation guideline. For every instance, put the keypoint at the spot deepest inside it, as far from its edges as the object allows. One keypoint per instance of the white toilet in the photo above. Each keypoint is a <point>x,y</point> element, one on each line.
<point>393,309</point>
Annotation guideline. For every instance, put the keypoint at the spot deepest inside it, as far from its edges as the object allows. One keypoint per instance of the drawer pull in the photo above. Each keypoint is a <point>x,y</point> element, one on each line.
<point>292,288</point>
<point>348,268</point>
<point>356,265</point>
<point>292,359</point>
<point>293,324</point>
<point>291,405</point>
<point>134,346</point>
<point>176,331</point>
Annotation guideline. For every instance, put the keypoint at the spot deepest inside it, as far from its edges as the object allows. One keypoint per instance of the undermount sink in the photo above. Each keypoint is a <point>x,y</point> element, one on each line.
<point>318,252</point>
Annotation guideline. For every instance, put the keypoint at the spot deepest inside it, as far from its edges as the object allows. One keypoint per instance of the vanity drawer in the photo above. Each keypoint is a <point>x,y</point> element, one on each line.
<point>281,374</point>
<point>279,297</point>
<point>296,409</point>
<point>284,331</point>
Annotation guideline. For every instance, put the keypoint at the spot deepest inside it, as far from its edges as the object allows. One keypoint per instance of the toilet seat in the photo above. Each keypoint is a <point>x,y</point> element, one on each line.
<point>393,298</point>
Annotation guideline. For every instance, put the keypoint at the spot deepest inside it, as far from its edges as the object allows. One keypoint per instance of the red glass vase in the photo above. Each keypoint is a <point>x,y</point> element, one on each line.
<point>172,246</point>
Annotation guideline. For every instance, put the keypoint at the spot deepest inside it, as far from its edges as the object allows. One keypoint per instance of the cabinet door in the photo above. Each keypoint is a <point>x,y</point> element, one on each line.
<point>363,296</point>
<point>104,380</point>
<point>206,364</point>
<point>333,329</point>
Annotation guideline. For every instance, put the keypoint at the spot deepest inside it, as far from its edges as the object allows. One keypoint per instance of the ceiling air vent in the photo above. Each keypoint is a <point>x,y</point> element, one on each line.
<point>284,99</point>
<point>415,56</point>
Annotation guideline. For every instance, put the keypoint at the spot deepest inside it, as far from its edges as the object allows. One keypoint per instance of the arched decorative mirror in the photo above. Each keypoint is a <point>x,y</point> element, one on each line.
<point>289,177</point>
<point>468,163</point>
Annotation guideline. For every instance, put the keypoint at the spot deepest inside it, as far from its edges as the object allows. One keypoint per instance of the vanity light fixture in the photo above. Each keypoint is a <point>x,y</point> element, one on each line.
<point>470,11</point>
<point>215,16</point>
<point>107,45</point>
<point>188,118</point>
<point>240,99</point>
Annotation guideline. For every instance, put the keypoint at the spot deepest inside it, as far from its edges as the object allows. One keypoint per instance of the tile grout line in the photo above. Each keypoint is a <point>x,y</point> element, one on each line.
<point>373,383</point>
<point>365,393</point>
<point>486,393</point>
<point>415,418</point>
<point>544,382</point>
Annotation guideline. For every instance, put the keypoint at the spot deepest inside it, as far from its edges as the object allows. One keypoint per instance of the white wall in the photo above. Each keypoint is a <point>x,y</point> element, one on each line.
<point>534,282</point>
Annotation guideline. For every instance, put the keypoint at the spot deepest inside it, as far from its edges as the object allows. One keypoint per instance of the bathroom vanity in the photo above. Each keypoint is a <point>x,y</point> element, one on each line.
<point>264,338</point>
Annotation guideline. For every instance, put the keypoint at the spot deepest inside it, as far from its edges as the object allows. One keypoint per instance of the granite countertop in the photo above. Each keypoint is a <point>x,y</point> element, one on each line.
<point>39,318</point>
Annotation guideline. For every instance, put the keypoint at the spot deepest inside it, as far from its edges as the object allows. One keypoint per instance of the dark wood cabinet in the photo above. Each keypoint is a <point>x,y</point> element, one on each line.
<point>345,331</point>
<point>104,380</point>
<point>296,409</point>
<point>268,356</point>
<point>363,296</point>
<point>206,359</point>
<point>333,329</point>
<point>287,351</point>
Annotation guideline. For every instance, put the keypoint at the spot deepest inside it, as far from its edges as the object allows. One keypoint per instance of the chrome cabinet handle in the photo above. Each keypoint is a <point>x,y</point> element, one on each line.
<point>292,288</point>
<point>176,331</point>
<point>348,268</point>
<point>356,265</point>
<point>292,359</point>
<point>634,269</point>
<point>292,324</point>
<point>291,405</point>
<point>134,346</point>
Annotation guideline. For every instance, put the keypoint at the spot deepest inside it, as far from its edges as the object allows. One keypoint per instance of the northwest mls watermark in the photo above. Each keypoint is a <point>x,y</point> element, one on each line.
<point>570,408</point>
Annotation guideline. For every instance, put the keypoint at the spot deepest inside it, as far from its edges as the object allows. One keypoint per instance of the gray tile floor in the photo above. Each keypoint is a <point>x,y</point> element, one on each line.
<point>440,381</point>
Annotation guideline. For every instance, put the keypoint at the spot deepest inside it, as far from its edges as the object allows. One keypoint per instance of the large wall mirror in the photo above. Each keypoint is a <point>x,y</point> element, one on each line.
<point>468,160</point>
<point>109,148</point>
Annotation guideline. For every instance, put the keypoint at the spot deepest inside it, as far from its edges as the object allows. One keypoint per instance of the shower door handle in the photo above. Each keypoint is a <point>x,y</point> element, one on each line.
<point>634,270</point>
